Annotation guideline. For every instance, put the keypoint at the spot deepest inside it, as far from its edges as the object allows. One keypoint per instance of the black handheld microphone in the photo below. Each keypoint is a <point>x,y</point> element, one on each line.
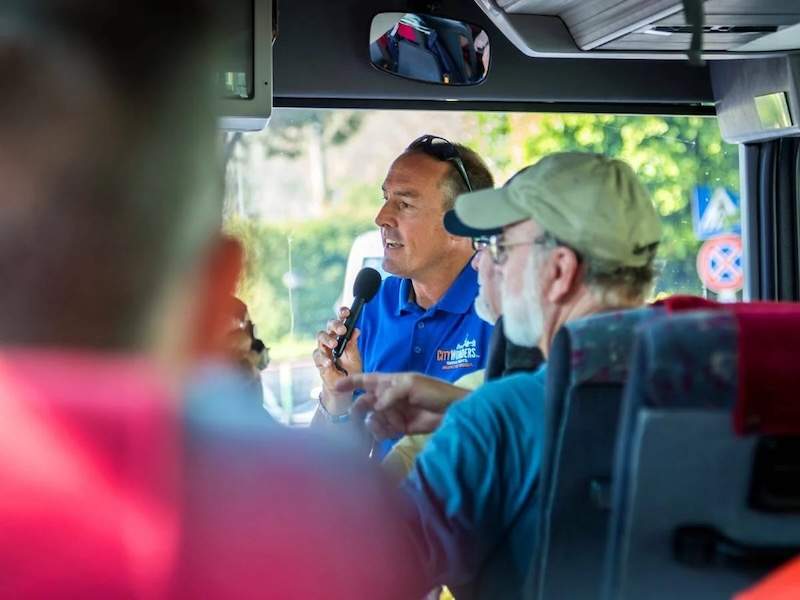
<point>364,289</point>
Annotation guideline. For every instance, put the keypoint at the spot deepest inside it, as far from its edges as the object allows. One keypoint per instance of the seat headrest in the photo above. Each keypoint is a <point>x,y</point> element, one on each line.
<point>688,360</point>
<point>601,345</point>
<point>766,347</point>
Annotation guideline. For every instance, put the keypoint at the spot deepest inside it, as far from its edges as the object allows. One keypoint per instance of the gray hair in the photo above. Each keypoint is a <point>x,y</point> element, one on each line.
<point>613,286</point>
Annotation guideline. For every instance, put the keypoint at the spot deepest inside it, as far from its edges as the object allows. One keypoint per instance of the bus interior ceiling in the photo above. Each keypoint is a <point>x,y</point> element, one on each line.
<point>322,61</point>
<point>320,58</point>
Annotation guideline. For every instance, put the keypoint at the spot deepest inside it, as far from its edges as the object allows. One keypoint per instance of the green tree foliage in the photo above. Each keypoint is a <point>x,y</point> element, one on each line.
<point>671,155</point>
<point>315,251</point>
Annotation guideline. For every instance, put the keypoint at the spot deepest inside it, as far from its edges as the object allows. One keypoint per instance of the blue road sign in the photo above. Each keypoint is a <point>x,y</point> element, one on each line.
<point>715,211</point>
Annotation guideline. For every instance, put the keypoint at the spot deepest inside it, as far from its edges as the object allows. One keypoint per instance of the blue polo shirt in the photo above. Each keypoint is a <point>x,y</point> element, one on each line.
<point>447,340</point>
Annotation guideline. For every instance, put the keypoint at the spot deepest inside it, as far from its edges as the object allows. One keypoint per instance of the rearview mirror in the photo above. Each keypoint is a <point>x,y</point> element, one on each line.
<point>428,48</point>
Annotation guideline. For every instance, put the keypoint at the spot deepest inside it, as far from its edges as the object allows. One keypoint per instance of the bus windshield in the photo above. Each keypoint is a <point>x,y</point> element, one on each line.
<point>303,194</point>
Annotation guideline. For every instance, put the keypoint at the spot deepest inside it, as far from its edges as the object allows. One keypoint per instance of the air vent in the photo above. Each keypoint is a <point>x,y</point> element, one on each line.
<point>712,29</point>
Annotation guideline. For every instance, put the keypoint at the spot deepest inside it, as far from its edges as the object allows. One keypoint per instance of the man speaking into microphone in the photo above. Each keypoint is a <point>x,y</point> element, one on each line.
<point>422,318</point>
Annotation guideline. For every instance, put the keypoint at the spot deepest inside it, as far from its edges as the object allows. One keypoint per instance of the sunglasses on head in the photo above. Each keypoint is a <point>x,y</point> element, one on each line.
<point>441,149</point>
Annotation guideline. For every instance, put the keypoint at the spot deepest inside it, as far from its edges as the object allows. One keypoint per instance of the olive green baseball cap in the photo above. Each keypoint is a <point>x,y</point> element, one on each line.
<point>593,203</point>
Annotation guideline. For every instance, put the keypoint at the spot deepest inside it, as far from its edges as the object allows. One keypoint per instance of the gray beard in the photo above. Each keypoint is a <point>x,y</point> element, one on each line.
<point>522,316</point>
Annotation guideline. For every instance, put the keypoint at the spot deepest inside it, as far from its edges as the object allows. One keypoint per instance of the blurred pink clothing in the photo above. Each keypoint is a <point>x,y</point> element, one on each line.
<point>111,488</point>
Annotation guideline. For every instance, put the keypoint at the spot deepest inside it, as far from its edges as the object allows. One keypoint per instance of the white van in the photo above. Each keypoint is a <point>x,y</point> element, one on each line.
<point>366,251</point>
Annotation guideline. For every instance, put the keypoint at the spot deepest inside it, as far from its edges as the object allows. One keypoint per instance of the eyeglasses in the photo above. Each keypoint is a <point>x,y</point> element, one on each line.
<point>498,249</point>
<point>479,243</point>
<point>441,149</point>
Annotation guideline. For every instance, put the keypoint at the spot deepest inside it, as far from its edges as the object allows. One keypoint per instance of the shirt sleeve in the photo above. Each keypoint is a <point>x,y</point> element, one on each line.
<point>466,486</point>
<point>400,460</point>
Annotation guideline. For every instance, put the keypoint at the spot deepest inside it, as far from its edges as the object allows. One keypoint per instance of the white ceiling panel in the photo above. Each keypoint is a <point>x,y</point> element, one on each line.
<point>622,27</point>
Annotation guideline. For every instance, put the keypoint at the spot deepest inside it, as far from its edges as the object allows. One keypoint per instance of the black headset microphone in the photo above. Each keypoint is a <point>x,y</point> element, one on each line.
<point>366,285</point>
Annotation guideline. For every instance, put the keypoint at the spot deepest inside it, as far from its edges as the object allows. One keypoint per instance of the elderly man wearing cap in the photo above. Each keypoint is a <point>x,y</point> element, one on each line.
<point>579,237</point>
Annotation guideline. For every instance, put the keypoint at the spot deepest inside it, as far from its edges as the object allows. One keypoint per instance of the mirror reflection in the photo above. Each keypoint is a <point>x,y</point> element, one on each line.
<point>429,48</point>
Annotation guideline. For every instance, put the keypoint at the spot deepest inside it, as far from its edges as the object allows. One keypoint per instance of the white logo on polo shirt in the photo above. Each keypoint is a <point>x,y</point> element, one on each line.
<point>460,357</point>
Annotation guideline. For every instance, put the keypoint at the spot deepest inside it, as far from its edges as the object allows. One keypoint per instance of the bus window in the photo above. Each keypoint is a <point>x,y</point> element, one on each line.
<point>303,194</point>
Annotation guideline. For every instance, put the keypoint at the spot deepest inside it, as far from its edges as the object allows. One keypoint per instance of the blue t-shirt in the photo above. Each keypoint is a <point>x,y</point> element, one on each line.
<point>474,489</point>
<point>447,340</point>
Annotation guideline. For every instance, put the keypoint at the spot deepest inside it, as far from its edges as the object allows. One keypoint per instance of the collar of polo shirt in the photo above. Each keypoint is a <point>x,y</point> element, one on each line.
<point>458,299</point>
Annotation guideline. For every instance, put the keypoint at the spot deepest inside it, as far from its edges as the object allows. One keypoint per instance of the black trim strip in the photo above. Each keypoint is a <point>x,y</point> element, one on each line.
<point>666,109</point>
<point>785,221</point>
<point>766,230</point>
<point>749,162</point>
<point>793,216</point>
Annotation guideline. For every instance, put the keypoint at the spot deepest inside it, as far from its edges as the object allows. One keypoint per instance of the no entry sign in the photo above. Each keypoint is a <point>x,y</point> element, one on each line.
<point>720,265</point>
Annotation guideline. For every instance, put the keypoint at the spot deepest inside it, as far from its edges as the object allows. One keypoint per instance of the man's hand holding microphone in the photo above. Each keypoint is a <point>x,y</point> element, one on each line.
<point>337,354</point>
